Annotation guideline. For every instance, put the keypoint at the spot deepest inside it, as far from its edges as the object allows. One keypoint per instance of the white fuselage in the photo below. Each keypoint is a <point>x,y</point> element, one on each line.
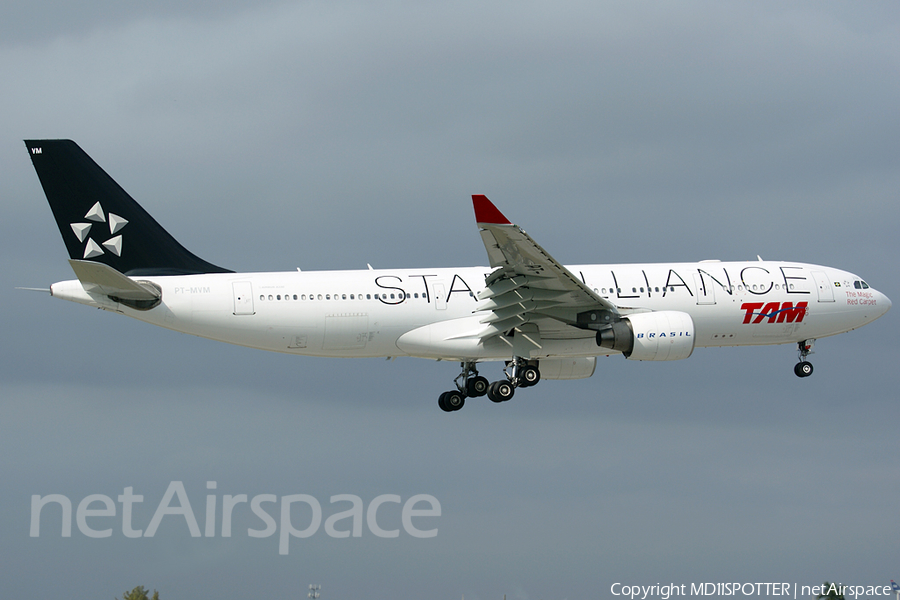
<point>426,312</point>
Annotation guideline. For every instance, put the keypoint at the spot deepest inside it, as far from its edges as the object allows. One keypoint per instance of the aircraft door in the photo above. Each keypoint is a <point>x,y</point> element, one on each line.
<point>440,296</point>
<point>706,293</point>
<point>823,286</point>
<point>346,332</point>
<point>243,298</point>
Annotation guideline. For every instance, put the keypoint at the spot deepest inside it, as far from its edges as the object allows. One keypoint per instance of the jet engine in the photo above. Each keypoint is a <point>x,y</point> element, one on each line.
<point>663,335</point>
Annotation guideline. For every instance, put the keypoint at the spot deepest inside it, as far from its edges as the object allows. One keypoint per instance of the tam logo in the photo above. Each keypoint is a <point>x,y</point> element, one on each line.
<point>775,312</point>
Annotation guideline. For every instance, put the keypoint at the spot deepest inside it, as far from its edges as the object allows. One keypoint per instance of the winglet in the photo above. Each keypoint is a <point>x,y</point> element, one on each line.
<point>486,212</point>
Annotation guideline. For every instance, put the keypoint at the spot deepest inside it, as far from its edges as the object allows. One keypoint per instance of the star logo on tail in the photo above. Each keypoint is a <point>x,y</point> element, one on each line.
<point>96,216</point>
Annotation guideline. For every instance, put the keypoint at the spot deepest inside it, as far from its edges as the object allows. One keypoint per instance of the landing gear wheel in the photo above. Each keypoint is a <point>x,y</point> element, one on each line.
<point>451,401</point>
<point>476,386</point>
<point>529,376</point>
<point>803,369</point>
<point>500,391</point>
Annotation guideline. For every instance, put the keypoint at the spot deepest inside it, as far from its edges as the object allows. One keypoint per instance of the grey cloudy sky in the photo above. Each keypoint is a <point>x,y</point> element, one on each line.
<point>328,135</point>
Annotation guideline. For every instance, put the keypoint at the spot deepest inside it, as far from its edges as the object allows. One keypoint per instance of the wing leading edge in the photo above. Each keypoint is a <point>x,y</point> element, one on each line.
<point>529,289</point>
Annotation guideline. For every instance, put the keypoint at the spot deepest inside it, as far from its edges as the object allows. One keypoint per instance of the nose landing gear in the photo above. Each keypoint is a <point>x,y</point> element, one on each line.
<point>804,368</point>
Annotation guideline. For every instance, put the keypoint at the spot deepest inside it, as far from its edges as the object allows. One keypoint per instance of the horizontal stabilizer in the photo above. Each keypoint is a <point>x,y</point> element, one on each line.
<point>102,279</point>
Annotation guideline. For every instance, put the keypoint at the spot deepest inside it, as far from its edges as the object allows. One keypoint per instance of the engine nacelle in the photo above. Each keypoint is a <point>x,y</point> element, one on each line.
<point>663,335</point>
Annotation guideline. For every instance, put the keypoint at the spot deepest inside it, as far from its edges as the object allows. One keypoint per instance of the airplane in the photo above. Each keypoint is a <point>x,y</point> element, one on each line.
<point>542,319</point>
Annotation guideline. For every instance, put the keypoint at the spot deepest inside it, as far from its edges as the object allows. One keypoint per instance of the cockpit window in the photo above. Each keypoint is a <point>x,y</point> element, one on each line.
<point>865,285</point>
<point>860,285</point>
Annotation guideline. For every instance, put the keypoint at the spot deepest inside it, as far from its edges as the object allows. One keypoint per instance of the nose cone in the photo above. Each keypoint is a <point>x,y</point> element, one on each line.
<point>878,305</point>
<point>884,302</point>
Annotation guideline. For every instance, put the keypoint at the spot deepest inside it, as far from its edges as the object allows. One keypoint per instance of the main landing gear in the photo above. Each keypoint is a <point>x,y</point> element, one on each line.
<point>469,384</point>
<point>804,368</point>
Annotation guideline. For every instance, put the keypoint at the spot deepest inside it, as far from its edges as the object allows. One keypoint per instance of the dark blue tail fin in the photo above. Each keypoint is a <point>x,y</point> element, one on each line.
<point>100,222</point>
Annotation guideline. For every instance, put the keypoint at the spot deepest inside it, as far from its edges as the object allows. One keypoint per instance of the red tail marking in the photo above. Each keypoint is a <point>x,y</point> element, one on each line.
<point>486,212</point>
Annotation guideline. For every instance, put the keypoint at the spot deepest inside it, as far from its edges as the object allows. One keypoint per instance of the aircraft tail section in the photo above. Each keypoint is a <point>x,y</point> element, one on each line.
<point>100,222</point>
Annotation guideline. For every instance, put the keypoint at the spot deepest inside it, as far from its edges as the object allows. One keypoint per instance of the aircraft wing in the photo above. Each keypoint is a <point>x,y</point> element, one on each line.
<point>530,287</point>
